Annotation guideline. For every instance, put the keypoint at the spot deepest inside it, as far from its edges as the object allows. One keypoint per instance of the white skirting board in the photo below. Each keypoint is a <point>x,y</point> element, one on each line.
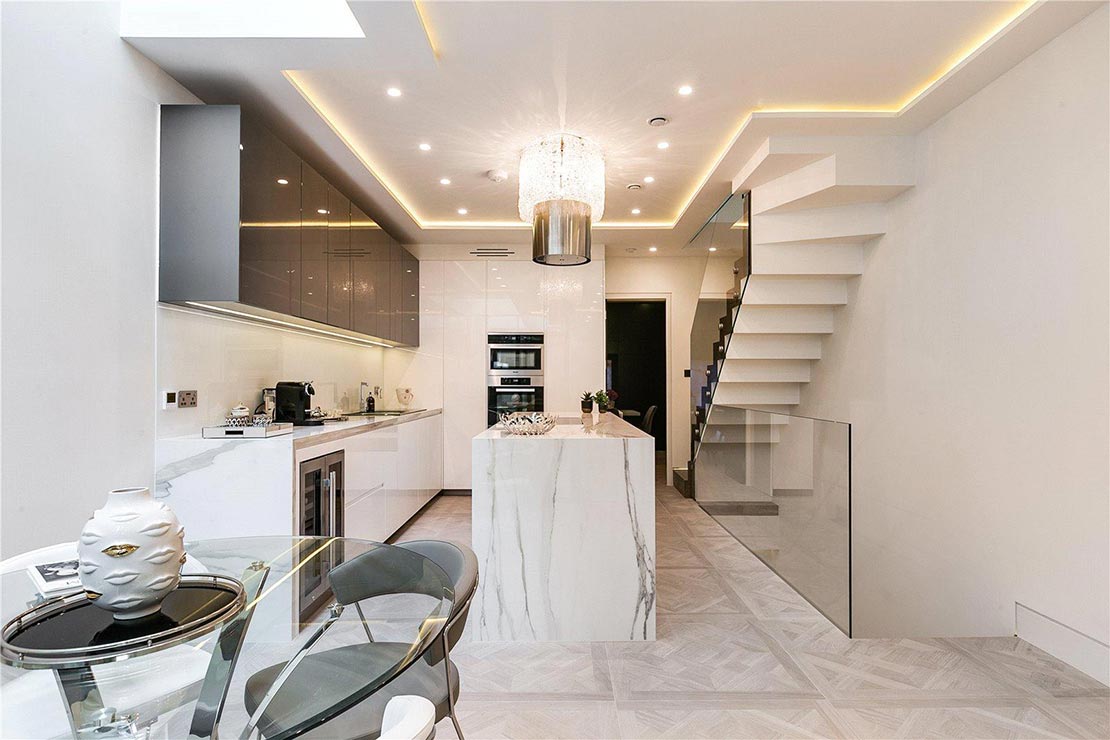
<point>1088,654</point>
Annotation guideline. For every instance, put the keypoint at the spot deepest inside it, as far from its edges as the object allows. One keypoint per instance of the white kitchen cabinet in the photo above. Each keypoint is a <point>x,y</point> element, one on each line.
<point>419,469</point>
<point>574,334</point>
<point>464,365</point>
<point>365,516</point>
<point>514,296</point>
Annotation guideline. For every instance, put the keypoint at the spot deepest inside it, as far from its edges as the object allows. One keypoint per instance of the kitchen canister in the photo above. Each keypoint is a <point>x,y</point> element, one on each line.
<point>131,553</point>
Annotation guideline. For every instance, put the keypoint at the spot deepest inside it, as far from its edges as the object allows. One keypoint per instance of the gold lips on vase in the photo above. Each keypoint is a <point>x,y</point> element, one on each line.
<point>131,553</point>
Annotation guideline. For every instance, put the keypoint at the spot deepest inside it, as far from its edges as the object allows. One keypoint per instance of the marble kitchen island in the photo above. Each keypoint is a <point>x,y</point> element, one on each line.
<point>564,531</point>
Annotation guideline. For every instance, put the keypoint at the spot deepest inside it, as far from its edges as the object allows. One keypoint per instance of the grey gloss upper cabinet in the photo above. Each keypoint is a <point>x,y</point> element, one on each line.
<point>247,227</point>
<point>410,300</point>
<point>339,259</point>
<point>314,245</point>
<point>370,308</point>
<point>270,216</point>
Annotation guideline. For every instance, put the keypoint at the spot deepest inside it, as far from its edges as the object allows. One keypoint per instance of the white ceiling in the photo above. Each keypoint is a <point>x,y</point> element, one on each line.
<point>482,79</point>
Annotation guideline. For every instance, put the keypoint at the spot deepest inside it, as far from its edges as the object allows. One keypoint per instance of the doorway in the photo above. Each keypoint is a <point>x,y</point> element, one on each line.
<point>636,363</point>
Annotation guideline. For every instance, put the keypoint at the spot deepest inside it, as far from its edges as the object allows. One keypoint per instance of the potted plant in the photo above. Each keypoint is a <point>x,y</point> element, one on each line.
<point>602,401</point>
<point>587,402</point>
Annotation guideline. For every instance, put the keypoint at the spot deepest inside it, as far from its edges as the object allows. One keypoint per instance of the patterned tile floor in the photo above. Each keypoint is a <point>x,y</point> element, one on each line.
<point>740,655</point>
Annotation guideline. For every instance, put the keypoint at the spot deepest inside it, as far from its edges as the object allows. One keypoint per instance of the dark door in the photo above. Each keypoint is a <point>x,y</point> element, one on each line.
<point>270,221</point>
<point>339,259</point>
<point>314,245</point>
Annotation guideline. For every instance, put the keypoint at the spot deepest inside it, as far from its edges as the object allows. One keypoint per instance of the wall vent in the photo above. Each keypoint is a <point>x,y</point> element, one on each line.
<point>492,252</point>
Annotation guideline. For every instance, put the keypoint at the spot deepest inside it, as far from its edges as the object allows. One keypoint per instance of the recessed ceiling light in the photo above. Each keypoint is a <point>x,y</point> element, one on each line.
<point>282,181</point>
<point>425,147</point>
<point>634,186</point>
<point>712,249</point>
<point>322,210</point>
<point>658,121</point>
<point>653,249</point>
<point>662,145</point>
<point>463,211</point>
<point>635,211</point>
<point>444,181</point>
<point>393,92</point>
<point>685,90</point>
<point>649,179</point>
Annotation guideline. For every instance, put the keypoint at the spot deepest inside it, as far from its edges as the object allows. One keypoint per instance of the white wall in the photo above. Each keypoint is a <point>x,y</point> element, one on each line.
<point>679,281</point>
<point>229,361</point>
<point>80,137</point>
<point>973,362</point>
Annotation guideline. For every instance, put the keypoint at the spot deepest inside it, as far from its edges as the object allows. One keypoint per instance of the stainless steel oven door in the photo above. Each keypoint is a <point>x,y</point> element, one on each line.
<point>515,359</point>
<point>504,399</point>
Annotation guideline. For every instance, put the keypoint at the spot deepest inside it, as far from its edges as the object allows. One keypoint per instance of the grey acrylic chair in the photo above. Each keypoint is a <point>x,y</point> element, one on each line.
<point>308,674</point>
<point>649,419</point>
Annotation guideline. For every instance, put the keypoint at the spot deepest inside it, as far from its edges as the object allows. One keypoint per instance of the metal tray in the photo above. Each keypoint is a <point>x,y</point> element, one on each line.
<point>71,631</point>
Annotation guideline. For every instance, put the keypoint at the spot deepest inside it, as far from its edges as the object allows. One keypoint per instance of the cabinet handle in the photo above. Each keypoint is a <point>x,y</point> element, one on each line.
<point>331,488</point>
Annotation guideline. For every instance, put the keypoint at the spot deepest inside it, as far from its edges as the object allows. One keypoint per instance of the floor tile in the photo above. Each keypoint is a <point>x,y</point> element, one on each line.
<point>532,720</point>
<point>693,591</point>
<point>654,722</point>
<point>954,722</point>
<point>712,656</point>
<point>1029,667</point>
<point>537,670</point>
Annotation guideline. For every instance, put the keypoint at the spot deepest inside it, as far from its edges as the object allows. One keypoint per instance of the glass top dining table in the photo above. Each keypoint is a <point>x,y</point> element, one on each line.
<point>195,687</point>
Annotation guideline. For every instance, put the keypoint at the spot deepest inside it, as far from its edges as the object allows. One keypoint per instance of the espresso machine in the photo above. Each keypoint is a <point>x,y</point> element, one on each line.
<point>294,403</point>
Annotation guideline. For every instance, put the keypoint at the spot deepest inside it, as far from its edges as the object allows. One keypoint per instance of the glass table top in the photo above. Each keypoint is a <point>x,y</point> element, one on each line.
<point>191,687</point>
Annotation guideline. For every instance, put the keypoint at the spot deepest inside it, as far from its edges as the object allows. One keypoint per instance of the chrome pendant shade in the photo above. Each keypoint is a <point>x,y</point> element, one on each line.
<point>562,191</point>
<point>561,233</point>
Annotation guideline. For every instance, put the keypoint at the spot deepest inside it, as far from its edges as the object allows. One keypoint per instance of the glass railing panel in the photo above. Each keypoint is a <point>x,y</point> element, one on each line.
<point>780,484</point>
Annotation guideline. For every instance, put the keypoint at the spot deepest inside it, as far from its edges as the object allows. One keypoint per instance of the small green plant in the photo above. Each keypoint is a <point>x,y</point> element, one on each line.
<point>601,398</point>
<point>587,397</point>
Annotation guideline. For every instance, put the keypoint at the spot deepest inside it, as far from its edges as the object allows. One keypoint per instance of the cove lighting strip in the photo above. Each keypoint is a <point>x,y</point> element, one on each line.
<point>908,101</point>
<point>253,318</point>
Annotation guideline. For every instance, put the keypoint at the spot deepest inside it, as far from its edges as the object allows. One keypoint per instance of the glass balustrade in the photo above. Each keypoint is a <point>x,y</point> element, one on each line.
<point>780,483</point>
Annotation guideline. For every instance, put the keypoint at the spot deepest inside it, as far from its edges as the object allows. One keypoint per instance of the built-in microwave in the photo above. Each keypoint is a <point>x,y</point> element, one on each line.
<point>515,354</point>
<point>513,393</point>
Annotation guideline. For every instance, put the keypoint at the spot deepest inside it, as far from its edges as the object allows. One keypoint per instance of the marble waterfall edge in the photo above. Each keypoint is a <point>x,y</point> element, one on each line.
<point>564,531</point>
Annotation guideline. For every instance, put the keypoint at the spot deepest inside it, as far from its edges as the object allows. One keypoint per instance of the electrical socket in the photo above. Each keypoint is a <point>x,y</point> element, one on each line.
<point>186,399</point>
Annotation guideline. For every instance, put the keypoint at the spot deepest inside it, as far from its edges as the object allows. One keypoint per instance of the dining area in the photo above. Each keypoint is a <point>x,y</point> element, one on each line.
<point>226,653</point>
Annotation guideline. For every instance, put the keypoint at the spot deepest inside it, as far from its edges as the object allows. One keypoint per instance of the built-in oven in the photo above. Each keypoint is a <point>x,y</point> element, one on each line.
<point>319,514</point>
<point>515,354</point>
<point>513,393</point>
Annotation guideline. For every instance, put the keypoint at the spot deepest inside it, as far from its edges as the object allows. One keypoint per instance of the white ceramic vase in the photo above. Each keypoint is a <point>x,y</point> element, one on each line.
<point>131,553</point>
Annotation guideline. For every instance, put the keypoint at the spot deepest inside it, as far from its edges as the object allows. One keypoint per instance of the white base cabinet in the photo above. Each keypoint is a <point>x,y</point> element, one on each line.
<point>239,488</point>
<point>392,474</point>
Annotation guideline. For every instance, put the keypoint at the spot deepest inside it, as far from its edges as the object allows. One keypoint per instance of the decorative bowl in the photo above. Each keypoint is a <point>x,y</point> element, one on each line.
<point>531,424</point>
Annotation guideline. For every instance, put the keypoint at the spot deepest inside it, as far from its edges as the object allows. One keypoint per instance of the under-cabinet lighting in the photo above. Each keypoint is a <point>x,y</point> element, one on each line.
<point>290,325</point>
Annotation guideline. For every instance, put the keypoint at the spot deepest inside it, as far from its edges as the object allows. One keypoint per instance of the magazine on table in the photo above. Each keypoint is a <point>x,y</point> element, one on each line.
<point>55,578</point>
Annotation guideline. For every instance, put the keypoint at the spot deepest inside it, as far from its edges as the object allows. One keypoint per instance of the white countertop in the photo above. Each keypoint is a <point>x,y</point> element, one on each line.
<point>329,431</point>
<point>578,426</point>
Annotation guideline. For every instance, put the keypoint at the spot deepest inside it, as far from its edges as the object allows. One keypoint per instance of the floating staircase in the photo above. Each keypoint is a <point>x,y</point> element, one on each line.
<point>815,204</point>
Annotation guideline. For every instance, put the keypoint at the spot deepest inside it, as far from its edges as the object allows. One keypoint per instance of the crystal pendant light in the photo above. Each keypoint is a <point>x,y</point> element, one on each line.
<point>562,191</point>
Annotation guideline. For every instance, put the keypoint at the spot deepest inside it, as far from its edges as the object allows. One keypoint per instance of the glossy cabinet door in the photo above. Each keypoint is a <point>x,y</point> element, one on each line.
<point>339,259</point>
<point>314,245</point>
<point>410,299</point>
<point>270,220</point>
<point>369,276</point>
<point>396,290</point>
<point>515,295</point>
